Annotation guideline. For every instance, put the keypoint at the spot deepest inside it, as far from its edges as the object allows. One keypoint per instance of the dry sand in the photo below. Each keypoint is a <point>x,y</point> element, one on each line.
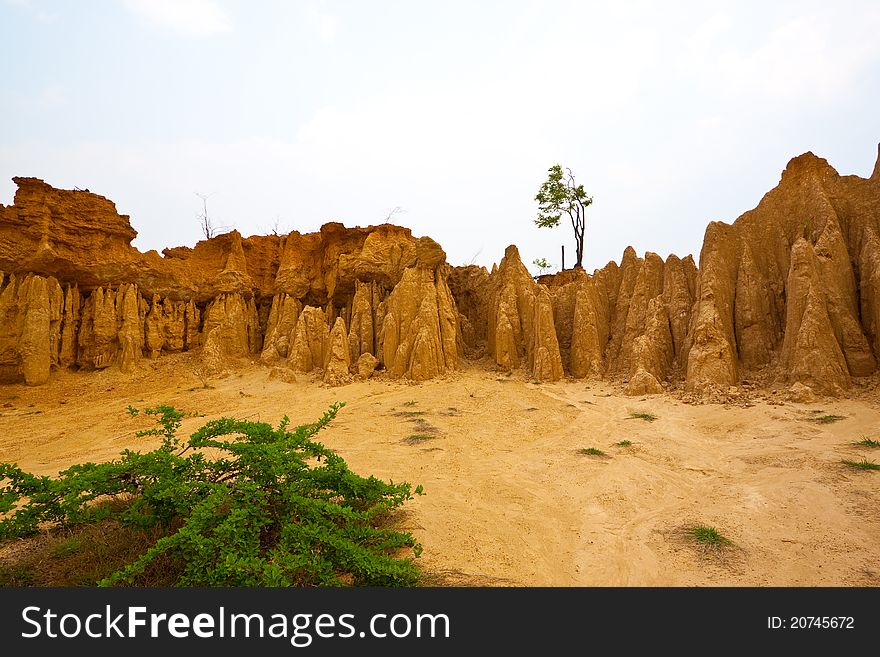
<point>509,500</point>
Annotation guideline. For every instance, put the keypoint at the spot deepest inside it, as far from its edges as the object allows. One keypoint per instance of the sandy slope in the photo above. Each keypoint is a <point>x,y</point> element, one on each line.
<point>509,500</point>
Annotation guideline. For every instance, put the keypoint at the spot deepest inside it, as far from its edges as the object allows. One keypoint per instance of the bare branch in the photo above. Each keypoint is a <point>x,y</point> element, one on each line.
<point>395,210</point>
<point>207,225</point>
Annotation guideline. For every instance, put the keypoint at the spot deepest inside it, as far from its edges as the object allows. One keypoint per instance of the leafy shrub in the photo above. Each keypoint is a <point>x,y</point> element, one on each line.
<point>240,504</point>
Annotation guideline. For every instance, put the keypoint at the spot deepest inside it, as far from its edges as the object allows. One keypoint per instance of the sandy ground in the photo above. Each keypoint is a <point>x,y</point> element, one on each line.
<point>509,500</point>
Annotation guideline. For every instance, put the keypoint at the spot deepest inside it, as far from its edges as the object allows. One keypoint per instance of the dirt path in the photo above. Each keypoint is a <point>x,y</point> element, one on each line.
<point>510,500</point>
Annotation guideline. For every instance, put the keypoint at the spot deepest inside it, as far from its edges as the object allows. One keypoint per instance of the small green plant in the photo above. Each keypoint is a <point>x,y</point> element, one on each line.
<point>709,537</point>
<point>204,376</point>
<point>84,554</point>
<point>132,411</point>
<point>864,464</point>
<point>647,417</point>
<point>807,225</point>
<point>238,503</point>
<point>591,451</point>
<point>417,438</point>
<point>827,419</point>
<point>867,442</point>
<point>542,265</point>
<point>623,443</point>
<point>410,413</point>
<point>411,402</point>
<point>68,547</point>
<point>16,576</point>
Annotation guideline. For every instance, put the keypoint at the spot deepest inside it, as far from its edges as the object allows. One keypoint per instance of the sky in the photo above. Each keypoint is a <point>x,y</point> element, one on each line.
<point>287,115</point>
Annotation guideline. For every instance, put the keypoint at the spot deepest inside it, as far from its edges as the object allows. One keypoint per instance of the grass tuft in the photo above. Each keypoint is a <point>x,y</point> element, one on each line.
<point>623,443</point>
<point>827,419</point>
<point>591,451</point>
<point>867,442</point>
<point>709,537</point>
<point>68,547</point>
<point>647,417</point>
<point>84,555</point>
<point>417,438</point>
<point>864,464</point>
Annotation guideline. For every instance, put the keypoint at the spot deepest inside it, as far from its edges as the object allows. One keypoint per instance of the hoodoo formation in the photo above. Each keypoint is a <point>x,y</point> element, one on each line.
<point>788,293</point>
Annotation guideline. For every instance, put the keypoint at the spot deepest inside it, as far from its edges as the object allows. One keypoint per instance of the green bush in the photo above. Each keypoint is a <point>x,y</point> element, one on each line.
<point>240,504</point>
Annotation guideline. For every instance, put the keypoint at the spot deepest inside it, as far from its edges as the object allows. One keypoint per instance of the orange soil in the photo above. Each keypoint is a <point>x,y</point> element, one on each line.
<point>509,500</point>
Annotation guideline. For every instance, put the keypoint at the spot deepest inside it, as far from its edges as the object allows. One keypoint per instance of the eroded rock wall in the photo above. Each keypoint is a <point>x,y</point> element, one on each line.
<point>788,293</point>
<point>521,330</point>
<point>77,294</point>
<point>623,321</point>
<point>790,288</point>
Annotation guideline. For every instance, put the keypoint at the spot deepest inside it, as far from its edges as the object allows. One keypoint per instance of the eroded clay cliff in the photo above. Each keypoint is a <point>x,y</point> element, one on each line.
<point>789,293</point>
<point>790,288</point>
<point>75,293</point>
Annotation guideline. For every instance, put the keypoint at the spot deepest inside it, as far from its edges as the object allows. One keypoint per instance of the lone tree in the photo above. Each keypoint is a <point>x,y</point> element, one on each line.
<point>560,194</point>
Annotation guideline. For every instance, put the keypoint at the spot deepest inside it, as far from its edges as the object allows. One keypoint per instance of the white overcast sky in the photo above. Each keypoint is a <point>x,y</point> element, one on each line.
<point>672,114</point>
